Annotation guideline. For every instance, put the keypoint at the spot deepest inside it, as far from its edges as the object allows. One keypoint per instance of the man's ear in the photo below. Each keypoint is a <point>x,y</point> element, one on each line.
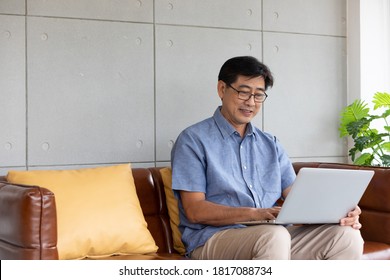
<point>221,88</point>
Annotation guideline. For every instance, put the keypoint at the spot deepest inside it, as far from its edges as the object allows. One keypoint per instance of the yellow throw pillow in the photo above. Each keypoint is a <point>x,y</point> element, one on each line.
<point>98,211</point>
<point>173,209</point>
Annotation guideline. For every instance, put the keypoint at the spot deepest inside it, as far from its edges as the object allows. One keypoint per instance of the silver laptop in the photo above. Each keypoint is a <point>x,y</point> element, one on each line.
<point>321,195</point>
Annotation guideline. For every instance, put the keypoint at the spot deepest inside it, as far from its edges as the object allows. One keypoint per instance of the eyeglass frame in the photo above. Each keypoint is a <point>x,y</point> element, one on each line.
<point>265,95</point>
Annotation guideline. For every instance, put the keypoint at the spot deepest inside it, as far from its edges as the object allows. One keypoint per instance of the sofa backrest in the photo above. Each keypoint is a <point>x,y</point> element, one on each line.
<point>150,191</point>
<point>375,203</point>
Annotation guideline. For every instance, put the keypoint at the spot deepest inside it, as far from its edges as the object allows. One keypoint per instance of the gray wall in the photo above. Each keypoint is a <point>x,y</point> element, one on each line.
<point>86,83</point>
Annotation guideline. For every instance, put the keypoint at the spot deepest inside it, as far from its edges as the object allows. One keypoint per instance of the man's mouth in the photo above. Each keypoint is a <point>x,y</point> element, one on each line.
<point>246,112</point>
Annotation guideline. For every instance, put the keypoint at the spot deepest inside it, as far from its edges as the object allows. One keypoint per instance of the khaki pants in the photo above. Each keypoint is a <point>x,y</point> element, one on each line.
<point>275,242</point>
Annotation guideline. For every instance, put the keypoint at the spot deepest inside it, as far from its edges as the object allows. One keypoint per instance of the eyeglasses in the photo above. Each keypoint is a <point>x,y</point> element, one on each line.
<point>246,95</point>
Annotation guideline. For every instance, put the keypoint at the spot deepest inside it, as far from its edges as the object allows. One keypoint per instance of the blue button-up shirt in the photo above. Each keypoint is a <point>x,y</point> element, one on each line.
<point>211,157</point>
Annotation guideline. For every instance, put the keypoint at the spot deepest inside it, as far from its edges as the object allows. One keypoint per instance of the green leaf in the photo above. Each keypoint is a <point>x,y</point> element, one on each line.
<point>364,159</point>
<point>381,99</point>
<point>386,146</point>
<point>374,142</point>
<point>352,153</point>
<point>353,112</point>
<point>385,114</point>
<point>382,135</point>
<point>387,128</point>
<point>368,141</point>
<point>358,127</point>
<point>362,142</point>
<point>385,160</point>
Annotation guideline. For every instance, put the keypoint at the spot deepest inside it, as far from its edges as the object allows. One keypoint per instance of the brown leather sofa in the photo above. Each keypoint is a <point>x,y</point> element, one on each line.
<point>28,227</point>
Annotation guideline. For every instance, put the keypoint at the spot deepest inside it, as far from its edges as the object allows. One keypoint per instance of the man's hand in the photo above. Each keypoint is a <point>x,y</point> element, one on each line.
<point>266,213</point>
<point>352,219</point>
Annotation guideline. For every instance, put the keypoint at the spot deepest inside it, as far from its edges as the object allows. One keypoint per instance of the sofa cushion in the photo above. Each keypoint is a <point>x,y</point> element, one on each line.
<point>173,209</point>
<point>98,211</point>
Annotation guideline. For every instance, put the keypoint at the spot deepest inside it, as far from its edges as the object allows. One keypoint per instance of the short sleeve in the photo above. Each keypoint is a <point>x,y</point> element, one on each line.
<point>188,163</point>
<point>286,168</point>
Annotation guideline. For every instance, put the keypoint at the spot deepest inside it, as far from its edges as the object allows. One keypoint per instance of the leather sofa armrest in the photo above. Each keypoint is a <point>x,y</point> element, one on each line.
<point>28,223</point>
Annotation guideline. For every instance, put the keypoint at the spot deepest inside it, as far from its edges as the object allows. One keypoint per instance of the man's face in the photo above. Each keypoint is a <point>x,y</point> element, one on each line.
<point>240,112</point>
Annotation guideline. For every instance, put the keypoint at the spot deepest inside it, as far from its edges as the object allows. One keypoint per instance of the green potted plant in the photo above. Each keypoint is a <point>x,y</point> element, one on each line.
<point>371,146</point>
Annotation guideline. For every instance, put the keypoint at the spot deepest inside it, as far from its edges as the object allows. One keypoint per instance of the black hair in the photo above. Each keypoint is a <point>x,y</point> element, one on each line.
<point>245,66</point>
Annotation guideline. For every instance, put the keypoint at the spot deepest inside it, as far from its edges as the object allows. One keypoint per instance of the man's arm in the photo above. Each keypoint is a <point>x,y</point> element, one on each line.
<point>286,191</point>
<point>200,211</point>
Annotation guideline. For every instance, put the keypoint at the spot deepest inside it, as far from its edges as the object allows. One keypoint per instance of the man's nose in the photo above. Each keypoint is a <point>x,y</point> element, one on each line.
<point>251,100</point>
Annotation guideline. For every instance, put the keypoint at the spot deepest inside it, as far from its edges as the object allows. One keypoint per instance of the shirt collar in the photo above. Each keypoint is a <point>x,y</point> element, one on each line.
<point>226,128</point>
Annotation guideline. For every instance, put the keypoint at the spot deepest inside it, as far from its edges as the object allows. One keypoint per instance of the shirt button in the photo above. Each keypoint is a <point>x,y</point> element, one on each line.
<point>250,186</point>
<point>244,167</point>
